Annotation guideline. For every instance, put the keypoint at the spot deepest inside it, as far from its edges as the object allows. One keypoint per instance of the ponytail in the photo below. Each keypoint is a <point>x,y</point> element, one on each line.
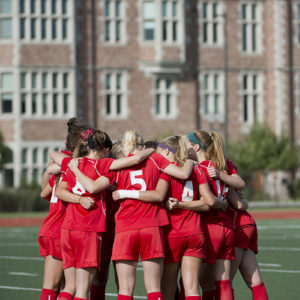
<point>131,141</point>
<point>212,145</point>
<point>177,143</point>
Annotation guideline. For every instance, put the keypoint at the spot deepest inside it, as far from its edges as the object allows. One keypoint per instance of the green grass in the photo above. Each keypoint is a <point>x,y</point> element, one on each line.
<point>23,214</point>
<point>282,281</point>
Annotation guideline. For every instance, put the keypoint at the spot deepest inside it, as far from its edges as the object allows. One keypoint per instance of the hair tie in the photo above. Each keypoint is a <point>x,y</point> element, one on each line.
<point>87,133</point>
<point>164,146</point>
<point>191,136</point>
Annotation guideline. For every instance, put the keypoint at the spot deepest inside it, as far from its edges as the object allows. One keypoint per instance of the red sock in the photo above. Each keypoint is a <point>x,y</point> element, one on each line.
<point>76,298</point>
<point>47,294</point>
<point>154,296</point>
<point>181,295</point>
<point>124,297</point>
<point>97,292</point>
<point>193,298</point>
<point>64,296</point>
<point>259,292</point>
<point>224,291</point>
<point>209,295</point>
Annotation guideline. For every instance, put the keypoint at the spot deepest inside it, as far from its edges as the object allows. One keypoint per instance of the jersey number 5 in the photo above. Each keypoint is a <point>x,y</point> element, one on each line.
<point>135,180</point>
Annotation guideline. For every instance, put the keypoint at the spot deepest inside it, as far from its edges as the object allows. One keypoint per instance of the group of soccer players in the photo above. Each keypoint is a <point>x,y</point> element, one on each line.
<point>177,204</point>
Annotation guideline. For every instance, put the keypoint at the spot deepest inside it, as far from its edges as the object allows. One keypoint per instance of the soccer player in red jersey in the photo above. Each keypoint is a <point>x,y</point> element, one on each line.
<point>184,236</point>
<point>207,148</point>
<point>138,224</point>
<point>245,233</point>
<point>49,235</point>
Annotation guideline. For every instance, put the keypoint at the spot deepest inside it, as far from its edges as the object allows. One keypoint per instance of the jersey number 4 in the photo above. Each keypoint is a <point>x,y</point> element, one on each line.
<point>134,180</point>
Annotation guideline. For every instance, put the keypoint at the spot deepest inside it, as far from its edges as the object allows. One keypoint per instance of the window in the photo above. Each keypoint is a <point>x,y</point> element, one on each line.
<point>161,18</point>
<point>115,87</point>
<point>6,92</point>
<point>212,94</point>
<point>45,20</point>
<point>170,21</point>
<point>5,19</point>
<point>164,98</point>
<point>251,98</point>
<point>45,94</point>
<point>8,172</point>
<point>251,27</point>
<point>114,25</point>
<point>212,23</point>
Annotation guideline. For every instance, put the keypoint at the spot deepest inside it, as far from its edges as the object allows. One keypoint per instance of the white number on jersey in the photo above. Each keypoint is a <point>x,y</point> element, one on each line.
<point>135,180</point>
<point>78,189</point>
<point>188,193</point>
<point>53,197</point>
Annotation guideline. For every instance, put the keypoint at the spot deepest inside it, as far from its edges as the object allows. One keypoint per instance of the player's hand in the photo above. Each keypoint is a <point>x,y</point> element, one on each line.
<point>213,172</point>
<point>73,164</point>
<point>172,203</point>
<point>86,202</point>
<point>116,196</point>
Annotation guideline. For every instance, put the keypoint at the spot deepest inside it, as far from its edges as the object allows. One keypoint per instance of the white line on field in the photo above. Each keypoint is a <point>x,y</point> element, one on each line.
<point>22,274</point>
<point>280,271</point>
<point>21,258</point>
<point>269,265</point>
<point>266,227</point>
<point>279,249</point>
<point>38,290</point>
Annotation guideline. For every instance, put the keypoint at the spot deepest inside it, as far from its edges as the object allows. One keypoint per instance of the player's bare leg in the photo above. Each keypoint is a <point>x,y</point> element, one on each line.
<point>126,271</point>
<point>190,271</point>
<point>235,264</point>
<point>84,279</point>
<point>53,273</point>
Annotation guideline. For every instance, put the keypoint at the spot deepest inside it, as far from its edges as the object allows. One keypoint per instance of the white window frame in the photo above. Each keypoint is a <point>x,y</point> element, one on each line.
<point>3,92</point>
<point>249,23</point>
<point>49,91</point>
<point>113,19</point>
<point>114,92</point>
<point>210,93</point>
<point>210,21</point>
<point>163,93</point>
<point>158,23</point>
<point>48,16</point>
<point>251,93</point>
<point>8,16</point>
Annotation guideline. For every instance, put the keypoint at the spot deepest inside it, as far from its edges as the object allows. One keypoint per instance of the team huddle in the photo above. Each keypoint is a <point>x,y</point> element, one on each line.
<point>177,205</point>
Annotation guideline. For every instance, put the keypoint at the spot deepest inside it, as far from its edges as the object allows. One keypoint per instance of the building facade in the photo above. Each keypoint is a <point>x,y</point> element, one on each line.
<point>159,66</point>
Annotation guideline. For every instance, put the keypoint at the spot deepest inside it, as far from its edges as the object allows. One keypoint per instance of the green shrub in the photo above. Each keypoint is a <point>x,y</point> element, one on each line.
<point>23,199</point>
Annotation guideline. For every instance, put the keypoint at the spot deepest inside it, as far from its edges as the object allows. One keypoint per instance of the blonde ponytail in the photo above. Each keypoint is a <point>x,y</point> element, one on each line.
<point>131,141</point>
<point>177,143</point>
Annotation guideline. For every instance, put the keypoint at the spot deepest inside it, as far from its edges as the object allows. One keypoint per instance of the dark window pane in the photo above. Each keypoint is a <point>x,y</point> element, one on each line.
<point>43,28</point>
<point>66,103</point>
<point>64,29</point>
<point>7,103</point>
<point>157,104</point>
<point>245,108</point>
<point>22,28</point>
<point>54,33</point>
<point>32,28</point>
<point>34,103</point>
<point>8,178</point>
<point>23,103</point>
<point>55,103</point>
<point>119,104</point>
<point>108,104</point>
<point>44,103</point>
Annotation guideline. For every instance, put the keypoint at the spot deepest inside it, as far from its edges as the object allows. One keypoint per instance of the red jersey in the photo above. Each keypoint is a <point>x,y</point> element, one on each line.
<point>219,190</point>
<point>239,218</point>
<point>54,220</point>
<point>136,214</point>
<point>78,218</point>
<point>184,222</point>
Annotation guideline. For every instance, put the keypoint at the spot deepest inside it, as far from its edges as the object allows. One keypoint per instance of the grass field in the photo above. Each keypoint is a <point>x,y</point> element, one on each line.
<point>21,268</point>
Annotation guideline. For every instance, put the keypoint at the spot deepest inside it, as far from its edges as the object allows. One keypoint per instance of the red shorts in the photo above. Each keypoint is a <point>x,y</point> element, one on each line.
<point>148,242</point>
<point>80,249</point>
<point>50,246</point>
<point>219,243</point>
<point>178,246</point>
<point>246,237</point>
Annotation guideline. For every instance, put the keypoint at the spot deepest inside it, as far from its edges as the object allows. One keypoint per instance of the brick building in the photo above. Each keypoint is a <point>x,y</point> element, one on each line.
<point>159,66</point>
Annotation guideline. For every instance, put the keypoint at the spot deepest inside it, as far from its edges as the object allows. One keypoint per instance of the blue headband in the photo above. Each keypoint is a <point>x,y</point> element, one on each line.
<point>191,136</point>
<point>164,146</point>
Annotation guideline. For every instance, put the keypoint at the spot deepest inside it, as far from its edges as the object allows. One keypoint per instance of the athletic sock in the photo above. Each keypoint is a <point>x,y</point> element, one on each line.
<point>64,296</point>
<point>124,297</point>
<point>76,298</point>
<point>224,291</point>
<point>209,295</point>
<point>259,292</point>
<point>193,297</point>
<point>97,292</point>
<point>47,294</point>
<point>155,296</point>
